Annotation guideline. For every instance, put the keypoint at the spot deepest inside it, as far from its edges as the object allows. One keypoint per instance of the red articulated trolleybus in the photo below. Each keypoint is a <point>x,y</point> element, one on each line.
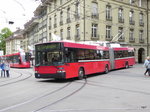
<point>17,60</point>
<point>65,60</point>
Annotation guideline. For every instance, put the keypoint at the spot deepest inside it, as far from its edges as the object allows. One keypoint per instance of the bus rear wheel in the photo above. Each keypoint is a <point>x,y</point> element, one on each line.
<point>81,74</point>
<point>126,65</point>
<point>106,69</point>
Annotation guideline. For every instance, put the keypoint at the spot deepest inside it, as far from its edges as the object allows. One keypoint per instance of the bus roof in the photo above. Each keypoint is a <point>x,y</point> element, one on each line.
<point>78,45</point>
<point>10,54</point>
<point>124,48</point>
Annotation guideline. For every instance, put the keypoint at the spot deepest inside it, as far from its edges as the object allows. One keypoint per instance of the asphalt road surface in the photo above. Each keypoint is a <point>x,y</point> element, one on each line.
<point>124,90</point>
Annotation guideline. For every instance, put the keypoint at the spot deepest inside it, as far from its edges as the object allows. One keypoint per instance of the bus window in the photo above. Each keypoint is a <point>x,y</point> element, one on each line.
<point>70,55</point>
<point>131,53</point>
<point>118,54</point>
<point>80,54</point>
<point>48,58</point>
<point>105,55</point>
<point>125,53</point>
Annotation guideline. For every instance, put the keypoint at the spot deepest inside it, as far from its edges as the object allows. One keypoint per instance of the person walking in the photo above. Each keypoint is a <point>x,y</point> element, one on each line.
<point>3,69</point>
<point>146,63</point>
<point>7,68</point>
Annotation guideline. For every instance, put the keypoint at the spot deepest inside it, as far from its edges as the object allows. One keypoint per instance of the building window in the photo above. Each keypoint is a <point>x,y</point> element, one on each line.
<point>50,36</point>
<point>94,30</point>
<point>77,12</point>
<point>141,16</point>
<point>140,3</point>
<point>108,32</point>
<point>68,15</point>
<point>108,12</point>
<point>131,1</point>
<point>50,8</point>
<point>120,33</point>
<point>61,34</point>
<point>131,17</point>
<point>61,2</point>
<point>141,19</point>
<point>61,18</point>
<point>55,21</point>
<point>77,31</point>
<point>94,10</point>
<point>131,35</point>
<point>68,33</point>
<point>50,23</point>
<point>55,5</point>
<point>141,35</point>
<point>120,15</point>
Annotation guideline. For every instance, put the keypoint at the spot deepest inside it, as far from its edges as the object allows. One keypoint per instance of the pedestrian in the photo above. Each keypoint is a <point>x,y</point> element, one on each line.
<point>146,63</point>
<point>3,69</point>
<point>7,68</point>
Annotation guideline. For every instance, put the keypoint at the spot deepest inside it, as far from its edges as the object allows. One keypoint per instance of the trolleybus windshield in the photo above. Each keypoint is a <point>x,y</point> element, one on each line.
<point>48,54</point>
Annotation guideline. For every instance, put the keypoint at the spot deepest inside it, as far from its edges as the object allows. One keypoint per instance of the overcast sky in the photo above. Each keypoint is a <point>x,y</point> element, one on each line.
<point>18,11</point>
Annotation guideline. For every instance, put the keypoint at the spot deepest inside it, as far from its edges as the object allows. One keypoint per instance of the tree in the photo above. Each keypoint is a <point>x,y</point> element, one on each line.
<point>5,33</point>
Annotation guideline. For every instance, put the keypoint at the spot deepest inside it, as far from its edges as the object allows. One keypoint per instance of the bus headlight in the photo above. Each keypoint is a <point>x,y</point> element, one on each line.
<point>61,71</point>
<point>36,71</point>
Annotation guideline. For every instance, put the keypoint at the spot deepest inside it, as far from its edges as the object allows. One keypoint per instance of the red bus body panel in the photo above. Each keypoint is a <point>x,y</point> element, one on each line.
<point>120,63</point>
<point>73,68</point>
<point>25,64</point>
<point>90,66</point>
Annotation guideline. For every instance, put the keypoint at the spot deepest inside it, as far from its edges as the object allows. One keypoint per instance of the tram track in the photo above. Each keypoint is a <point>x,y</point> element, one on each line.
<point>13,80</point>
<point>96,84</point>
<point>63,98</point>
<point>33,99</point>
<point>49,95</point>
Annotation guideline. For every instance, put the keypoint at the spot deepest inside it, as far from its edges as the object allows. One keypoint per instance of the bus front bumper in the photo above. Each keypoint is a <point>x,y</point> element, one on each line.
<point>56,76</point>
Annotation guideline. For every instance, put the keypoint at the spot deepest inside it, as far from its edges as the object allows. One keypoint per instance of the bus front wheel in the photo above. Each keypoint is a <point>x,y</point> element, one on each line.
<point>81,74</point>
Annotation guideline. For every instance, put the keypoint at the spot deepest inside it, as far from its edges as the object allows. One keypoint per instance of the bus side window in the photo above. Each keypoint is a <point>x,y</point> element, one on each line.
<point>71,55</point>
<point>106,55</point>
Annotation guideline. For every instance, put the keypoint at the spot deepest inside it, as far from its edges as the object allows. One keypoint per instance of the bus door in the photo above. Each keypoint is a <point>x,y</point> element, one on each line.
<point>112,58</point>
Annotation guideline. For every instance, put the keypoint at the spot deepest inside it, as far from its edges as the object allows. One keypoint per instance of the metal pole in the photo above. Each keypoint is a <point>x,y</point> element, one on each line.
<point>147,28</point>
<point>84,20</point>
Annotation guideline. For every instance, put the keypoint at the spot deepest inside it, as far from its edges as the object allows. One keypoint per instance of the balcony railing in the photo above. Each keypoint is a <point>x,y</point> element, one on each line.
<point>141,23</point>
<point>95,16</point>
<point>68,37</point>
<point>95,37</point>
<point>50,27</point>
<point>121,20</point>
<point>77,37</point>
<point>121,39</point>
<point>68,20</point>
<point>109,37</point>
<point>61,23</point>
<point>77,16</point>
<point>132,22</point>
<point>131,39</point>
<point>141,40</point>
<point>55,25</point>
<point>109,18</point>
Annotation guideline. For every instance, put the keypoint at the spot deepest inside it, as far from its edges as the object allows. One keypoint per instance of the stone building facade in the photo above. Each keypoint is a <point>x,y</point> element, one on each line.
<point>123,21</point>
